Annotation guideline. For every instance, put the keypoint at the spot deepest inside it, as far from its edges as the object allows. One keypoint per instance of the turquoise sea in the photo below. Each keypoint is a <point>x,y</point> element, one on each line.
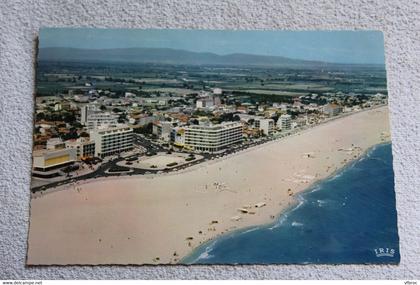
<point>348,218</point>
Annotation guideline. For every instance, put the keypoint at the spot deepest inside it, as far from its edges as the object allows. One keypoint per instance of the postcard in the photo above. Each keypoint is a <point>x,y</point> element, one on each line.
<point>211,147</point>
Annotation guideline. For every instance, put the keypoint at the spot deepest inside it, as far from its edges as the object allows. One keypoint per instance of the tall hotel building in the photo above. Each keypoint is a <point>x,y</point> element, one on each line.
<point>86,110</point>
<point>212,138</point>
<point>285,122</point>
<point>112,140</point>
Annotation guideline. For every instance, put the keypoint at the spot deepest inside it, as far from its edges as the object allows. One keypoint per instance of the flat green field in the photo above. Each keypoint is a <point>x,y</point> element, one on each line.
<point>270,92</point>
<point>179,91</point>
<point>278,86</point>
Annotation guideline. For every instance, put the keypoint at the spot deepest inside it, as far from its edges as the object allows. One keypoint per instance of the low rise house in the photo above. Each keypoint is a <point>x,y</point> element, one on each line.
<point>332,109</point>
<point>55,143</point>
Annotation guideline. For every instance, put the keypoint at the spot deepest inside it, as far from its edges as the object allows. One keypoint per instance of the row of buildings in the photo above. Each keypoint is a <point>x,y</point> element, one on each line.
<point>105,134</point>
<point>58,155</point>
<point>207,137</point>
<point>212,138</point>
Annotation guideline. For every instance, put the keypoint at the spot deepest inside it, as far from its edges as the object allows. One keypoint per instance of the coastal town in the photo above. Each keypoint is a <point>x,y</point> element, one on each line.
<point>89,132</point>
<point>160,153</point>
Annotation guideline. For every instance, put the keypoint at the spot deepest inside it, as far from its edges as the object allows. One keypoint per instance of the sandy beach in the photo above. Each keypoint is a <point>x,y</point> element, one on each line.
<point>160,219</point>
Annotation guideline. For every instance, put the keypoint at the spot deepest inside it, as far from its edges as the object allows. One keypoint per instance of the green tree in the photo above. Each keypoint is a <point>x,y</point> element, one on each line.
<point>40,116</point>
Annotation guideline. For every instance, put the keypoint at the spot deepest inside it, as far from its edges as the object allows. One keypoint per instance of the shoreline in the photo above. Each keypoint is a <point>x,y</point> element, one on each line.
<point>223,203</point>
<point>294,206</point>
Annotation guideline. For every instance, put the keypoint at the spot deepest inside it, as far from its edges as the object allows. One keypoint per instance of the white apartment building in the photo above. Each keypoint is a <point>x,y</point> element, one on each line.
<point>112,140</point>
<point>85,148</point>
<point>58,107</point>
<point>97,120</point>
<point>285,122</point>
<point>265,125</point>
<point>87,110</point>
<point>206,102</point>
<point>212,138</point>
<point>162,130</point>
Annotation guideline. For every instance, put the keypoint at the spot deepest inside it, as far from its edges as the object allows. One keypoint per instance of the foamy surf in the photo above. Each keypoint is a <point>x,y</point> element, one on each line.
<point>321,203</point>
<point>250,230</point>
<point>297,224</point>
<point>280,221</point>
<point>310,234</point>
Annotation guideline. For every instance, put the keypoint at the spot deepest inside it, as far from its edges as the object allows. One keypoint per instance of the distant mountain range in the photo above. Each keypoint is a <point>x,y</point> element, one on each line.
<point>172,56</point>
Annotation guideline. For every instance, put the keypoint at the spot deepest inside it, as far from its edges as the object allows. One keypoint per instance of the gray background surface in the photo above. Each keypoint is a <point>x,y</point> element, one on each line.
<point>19,25</point>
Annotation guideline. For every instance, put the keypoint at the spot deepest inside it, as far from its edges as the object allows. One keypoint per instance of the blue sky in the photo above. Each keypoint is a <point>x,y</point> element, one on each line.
<point>330,46</point>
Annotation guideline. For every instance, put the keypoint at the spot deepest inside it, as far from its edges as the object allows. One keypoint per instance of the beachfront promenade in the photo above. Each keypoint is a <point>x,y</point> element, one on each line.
<point>103,169</point>
<point>108,220</point>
